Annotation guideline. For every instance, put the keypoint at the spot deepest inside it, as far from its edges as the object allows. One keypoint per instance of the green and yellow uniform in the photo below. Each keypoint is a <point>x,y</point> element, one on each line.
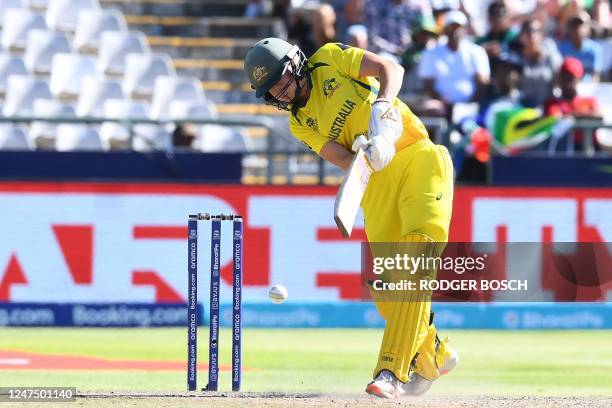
<point>410,200</point>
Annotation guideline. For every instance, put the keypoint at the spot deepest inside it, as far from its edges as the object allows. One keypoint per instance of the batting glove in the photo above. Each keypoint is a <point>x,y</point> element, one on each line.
<point>385,120</point>
<point>360,143</point>
<point>378,151</point>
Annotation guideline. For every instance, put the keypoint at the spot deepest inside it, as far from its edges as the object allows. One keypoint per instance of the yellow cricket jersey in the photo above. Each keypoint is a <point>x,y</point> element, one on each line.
<point>340,102</point>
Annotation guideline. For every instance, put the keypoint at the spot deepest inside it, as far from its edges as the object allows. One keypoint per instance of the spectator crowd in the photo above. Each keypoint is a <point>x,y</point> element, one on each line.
<point>527,54</point>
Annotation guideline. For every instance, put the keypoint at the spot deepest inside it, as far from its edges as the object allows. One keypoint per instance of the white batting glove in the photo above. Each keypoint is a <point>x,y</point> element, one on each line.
<point>385,120</point>
<point>360,143</point>
<point>380,152</point>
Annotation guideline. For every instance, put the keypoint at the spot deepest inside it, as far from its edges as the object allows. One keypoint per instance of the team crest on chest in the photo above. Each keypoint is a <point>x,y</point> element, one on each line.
<point>313,124</point>
<point>330,86</point>
<point>260,73</point>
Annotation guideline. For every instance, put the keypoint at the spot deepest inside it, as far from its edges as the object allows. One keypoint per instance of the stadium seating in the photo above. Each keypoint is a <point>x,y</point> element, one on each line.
<point>13,138</point>
<point>67,58</point>
<point>76,137</point>
<point>21,92</point>
<point>41,47</point>
<point>67,72</point>
<point>181,110</point>
<point>8,4</point>
<point>9,65</point>
<point>92,23</point>
<point>141,70</point>
<point>168,89</point>
<point>43,134</point>
<point>62,14</point>
<point>115,46</point>
<point>95,90</point>
<point>16,25</point>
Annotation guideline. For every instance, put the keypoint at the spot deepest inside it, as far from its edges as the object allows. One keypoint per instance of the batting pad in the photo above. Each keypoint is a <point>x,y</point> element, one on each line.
<point>407,316</point>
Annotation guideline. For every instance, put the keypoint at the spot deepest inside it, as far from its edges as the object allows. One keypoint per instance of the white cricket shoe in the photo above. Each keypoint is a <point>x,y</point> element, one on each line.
<point>419,385</point>
<point>385,385</point>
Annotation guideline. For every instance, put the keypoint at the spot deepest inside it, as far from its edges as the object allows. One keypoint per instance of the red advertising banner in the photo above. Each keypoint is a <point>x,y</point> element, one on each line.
<point>125,242</point>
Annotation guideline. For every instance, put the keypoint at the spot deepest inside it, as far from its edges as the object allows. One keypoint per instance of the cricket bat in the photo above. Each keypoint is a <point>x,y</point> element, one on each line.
<point>351,192</point>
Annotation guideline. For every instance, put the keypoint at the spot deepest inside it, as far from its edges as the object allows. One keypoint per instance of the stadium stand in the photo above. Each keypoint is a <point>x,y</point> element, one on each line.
<point>160,60</point>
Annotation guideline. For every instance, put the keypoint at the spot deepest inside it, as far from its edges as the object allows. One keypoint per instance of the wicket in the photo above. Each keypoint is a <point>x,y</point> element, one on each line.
<point>215,291</point>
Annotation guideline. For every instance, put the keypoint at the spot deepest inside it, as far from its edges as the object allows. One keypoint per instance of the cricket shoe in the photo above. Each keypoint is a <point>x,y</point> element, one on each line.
<point>385,385</point>
<point>419,385</point>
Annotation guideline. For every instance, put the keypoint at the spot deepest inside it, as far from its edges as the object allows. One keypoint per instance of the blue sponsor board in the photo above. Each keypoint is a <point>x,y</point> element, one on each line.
<point>542,170</point>
<point>122,165</point>
<point>509,316</point>
<point>93,315</point>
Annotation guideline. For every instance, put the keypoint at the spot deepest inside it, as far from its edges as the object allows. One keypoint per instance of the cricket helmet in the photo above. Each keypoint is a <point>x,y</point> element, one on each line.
<point>265,64</point>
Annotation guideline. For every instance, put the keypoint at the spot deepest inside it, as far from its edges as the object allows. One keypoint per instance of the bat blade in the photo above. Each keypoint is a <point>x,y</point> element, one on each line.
<point>351,193</point>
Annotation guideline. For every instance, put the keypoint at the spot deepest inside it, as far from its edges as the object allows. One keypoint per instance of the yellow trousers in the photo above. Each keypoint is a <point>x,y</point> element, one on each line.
<point>410,201</point>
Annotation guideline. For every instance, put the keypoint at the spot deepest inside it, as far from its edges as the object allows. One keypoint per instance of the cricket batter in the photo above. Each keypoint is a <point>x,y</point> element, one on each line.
<point>334,97</point>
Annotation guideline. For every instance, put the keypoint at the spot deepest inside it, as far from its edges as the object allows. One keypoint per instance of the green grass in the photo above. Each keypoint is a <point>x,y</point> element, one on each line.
<point>560,363</point>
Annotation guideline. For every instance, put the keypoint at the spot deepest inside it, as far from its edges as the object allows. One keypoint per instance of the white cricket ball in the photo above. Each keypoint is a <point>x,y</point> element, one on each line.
<point>278,293</point>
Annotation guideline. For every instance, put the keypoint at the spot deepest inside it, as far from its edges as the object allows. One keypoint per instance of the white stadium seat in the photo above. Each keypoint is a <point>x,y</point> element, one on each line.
<point>41,47</point>
<point>21,92</point>
<point>215,138</point>
<point>602,91</point>
<point>181,110</point>
<point>115,45</point>
<point>14,138</point>
<point>10,65</point>
<point>8,4</point>
<point>141,71</point>
<point>147,137</point>
<point>77,138</point>
<point>92,23</point>
<point>15,27</point>
<point>66,73</point>
<point>43,134</point>
<point>62,14</point>
<point>168,89</point>
<point>125,109</point>
<point>95,90</point>
<point>36,4</point>
<point>113,134</point>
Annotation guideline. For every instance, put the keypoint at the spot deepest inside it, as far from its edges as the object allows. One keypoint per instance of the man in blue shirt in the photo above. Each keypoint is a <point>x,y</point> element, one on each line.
<point>578,45</point>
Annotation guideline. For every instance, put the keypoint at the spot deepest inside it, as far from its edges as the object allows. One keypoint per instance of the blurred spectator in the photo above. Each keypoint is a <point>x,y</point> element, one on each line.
<point>259,8</point>
<point>503,92</point>
<point>348,13</point>
<point>599,11</point>
<point>602,18</point>
<point>540,60</point>
<point>312,23</point>
<point>578,45</point>
<point>389,21</point>
<point>456,71</point>
<point>424,33</point>
<point>570,103</point>
<point>499,39</point>
<point>184,135</point>
<point>468,7</point>
<point>357,36</point>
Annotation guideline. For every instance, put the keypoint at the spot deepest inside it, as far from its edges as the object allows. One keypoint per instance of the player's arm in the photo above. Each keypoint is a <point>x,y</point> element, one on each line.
<point>385,126</point>
<point>336,154</point>
<point>390,74</point>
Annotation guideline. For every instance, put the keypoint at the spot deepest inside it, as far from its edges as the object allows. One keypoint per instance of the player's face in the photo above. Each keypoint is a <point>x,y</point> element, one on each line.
<point>284,90</point>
